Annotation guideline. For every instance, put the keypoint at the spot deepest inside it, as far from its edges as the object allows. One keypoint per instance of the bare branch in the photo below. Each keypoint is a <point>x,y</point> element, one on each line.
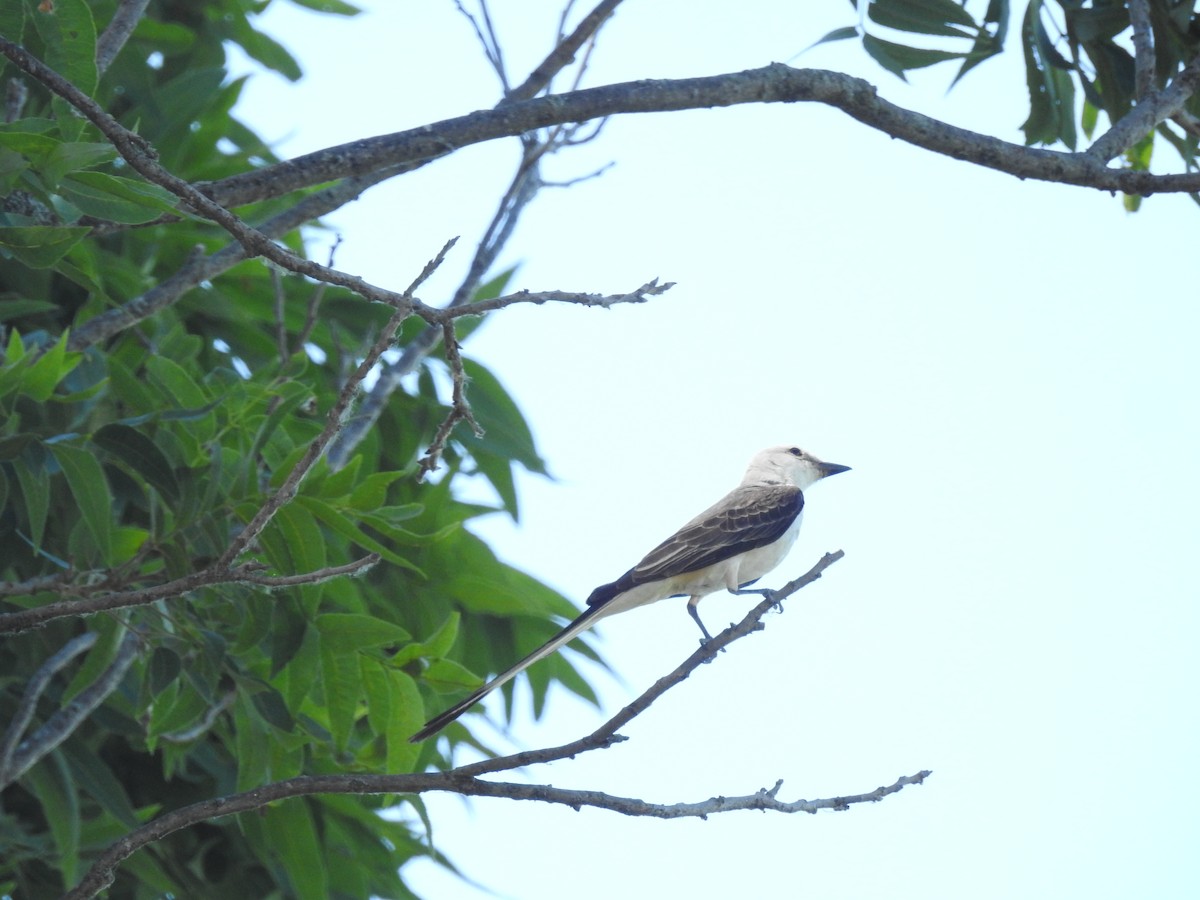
<point>638,295</point>
<point>248,573</point>
<point>460,410</point>
<point>100,875</point>
<point>281,341</point>
<point>606,735</point>
<point>63,723</point>
<point>775,83</point>
<point>465,779</point>
<point>488,40</point>
<point>124,20</point>
<point>206,722</point>
<point>1143,48</point>
<point>33,691</point>
<point>1156,108</point>
<point>15,95</point>
<point>352,569</point>
<point>564,54</point>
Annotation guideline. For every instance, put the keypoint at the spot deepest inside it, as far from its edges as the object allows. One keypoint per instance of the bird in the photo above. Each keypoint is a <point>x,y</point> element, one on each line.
<point>730,546</point>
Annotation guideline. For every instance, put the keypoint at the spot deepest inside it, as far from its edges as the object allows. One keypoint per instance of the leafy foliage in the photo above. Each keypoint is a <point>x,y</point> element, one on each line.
<point>130,463</point>
<point>1071,48</point>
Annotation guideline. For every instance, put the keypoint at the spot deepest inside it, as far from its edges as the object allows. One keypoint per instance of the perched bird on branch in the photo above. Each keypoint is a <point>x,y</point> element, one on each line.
<point>729,546</point>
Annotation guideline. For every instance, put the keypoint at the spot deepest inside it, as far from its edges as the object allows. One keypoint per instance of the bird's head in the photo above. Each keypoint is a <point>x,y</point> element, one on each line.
<point>789,465</point>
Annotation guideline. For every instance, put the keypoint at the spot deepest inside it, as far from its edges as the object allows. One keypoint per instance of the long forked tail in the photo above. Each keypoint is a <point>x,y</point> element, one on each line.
<point>581,623</point>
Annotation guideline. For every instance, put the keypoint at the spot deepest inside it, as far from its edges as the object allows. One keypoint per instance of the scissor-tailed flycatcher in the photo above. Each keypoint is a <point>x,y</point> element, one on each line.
<point>730,545</point>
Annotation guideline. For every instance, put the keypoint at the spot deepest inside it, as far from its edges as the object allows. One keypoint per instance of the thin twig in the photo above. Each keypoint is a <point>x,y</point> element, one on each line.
<point>123,22</point>
<point>563,54</point>
<point>248,573</point>
<point>1143,48</point>
<point>606,735</point>
<point>1159,106</point>
<point>63,723</point>
<point>187,735</point>
<point>638,295</point>
<point>33,691</point>
<point>460,410</point>
<point>15,95</point>
<point>281,341</point>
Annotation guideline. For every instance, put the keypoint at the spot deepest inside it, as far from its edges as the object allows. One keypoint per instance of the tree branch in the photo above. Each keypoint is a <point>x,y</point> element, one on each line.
<point>775,83</point>
<point>124,20</point>
<point>466,782</point>
<point>1143,48</point>
<point>63,723</point>
<point>33,692</point>
<point>563,54</point>
<point>606,735</point>
<point>248,573</point>
<point>1143,118</point>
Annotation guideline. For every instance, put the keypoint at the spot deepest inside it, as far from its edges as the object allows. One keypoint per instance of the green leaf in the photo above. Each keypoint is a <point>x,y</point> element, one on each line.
<point>378,690</point>
<point>12,22</point>
<point>127,541</point>
<point>269,52</point>
<point>16,307</point>
<point>371,492</point>
<point>49,369</point>
<point>351,632</point>
<point>85,476</point>
<point>340,524</point>
<point>174,379</point>
<point>96,779</point>
<point>293,839</point>
<point>51,783</point>
<point>937,17</point>
<point>838,34</point>
<point>271,706</point>
<point>252,744</point>
<point>436,646</point>
<point>508,433</point>
<point>39,247</point>
<point>71,156</point>
<point>334,7</point>
<point>407,716</point>
<point>69,33</point>
<point>142,456</point>
<point>116,199</point>
<point>898,59</point>
<point>34,480</point>
<point>287,634</point>
<point>164,668</point>
<point>340,678</point>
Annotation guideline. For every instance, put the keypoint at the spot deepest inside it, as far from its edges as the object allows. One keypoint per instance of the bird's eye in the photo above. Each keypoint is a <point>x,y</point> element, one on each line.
<point>796,451</point>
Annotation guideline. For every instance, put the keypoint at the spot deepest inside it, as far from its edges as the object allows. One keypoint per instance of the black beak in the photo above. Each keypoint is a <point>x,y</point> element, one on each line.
<point>828,469</point>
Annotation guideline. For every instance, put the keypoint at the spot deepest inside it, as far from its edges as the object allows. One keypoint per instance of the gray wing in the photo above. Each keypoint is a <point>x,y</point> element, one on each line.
<point>748,518</point>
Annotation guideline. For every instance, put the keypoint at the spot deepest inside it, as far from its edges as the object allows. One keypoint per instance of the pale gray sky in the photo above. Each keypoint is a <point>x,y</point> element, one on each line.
<point>1009,367</point>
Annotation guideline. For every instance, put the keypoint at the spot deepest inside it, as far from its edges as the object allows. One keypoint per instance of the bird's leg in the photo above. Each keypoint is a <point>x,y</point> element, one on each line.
<point>766,593</point>
<point>693,611</point>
